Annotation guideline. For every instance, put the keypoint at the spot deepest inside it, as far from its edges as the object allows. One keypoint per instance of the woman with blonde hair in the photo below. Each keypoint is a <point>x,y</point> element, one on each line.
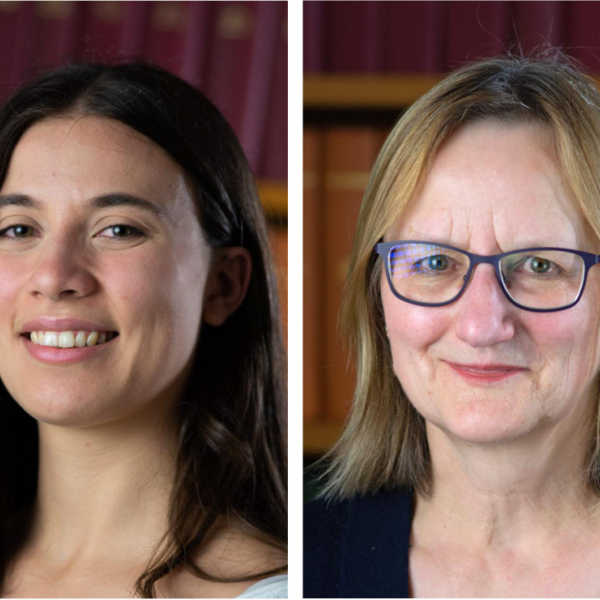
<point>470,464</point>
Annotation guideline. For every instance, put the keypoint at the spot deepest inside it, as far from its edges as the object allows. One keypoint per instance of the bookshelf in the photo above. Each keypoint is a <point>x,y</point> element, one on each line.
<point>361,100</point>
<point>274,197</point>
<point>365,91</point>
<point>319,436</point>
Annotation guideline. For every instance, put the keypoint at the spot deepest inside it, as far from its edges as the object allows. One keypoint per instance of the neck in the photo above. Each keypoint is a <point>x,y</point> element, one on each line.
<point>502,495</point>
<point>104,489</point>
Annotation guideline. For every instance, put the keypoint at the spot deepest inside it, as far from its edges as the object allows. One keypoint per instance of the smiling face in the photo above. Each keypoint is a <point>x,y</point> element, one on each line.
<point>68,260</point>
<point>493,189</point>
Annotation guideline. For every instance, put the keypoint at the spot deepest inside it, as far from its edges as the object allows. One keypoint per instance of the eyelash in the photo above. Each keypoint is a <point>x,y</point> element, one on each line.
<point>136,232</point>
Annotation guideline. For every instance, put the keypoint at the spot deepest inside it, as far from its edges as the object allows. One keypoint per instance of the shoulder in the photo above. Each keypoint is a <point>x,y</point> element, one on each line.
<point>273,587</point>
<point>234,559</point>
<point>349,544</point>
<point>324,525</point>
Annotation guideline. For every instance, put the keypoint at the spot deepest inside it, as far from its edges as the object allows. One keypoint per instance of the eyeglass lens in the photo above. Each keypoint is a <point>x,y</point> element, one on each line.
<point>431,274</point>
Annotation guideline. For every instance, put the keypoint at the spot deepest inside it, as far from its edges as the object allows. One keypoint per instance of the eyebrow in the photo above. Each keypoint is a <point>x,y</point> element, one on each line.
<point>103,201</point>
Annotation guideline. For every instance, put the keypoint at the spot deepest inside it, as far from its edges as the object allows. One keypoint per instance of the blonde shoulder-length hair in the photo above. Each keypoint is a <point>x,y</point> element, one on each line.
<point>384,444</point>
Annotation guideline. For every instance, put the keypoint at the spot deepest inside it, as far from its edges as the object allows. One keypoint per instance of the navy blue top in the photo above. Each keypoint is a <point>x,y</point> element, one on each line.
<point>358,548</point>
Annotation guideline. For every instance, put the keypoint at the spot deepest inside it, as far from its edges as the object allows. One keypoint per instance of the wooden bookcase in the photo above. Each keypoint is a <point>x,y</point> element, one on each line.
<point>328,97</point>
<point>359,92</point>
<point>274,197</point>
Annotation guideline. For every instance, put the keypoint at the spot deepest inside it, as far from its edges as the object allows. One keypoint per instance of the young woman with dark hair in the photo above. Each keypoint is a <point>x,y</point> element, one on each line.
<point>142,446</point>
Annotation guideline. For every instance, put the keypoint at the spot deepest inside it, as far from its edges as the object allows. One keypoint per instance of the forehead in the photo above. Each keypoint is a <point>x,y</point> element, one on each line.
<point>68,160</point>
<point>493,188</point>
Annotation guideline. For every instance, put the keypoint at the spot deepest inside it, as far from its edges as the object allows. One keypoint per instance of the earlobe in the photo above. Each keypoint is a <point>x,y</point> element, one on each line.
<point>227,284</point>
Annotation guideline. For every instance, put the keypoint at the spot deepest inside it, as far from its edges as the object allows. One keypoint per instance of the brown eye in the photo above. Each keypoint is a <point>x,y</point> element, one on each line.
<point>19,231</point>
<point>121,231</point>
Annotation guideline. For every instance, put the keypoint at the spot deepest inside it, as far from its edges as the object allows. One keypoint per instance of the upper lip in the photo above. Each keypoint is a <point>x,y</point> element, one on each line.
<point>486,367</point>
<point>57,324</point>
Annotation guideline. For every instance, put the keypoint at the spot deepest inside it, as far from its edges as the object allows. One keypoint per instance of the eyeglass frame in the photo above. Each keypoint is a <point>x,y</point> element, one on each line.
<point>383,249</point>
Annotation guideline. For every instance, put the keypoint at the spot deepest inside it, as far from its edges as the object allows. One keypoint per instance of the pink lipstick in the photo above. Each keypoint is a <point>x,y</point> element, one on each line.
<point>489,373</point>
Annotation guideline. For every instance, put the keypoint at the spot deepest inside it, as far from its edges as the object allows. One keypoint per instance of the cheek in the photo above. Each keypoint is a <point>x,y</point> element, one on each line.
<point>13,279</point>
<point>161,288</point>
<point>412,330</point>
<point>567,344</point>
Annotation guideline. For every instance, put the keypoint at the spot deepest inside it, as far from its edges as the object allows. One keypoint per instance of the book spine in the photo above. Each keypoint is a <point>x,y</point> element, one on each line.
<point>275,161</point>
<point>538,24</point>
<point>265,42</point>
<point>313,37</point>
<point>176,39</point>
<point>134,27</point>
<point>17,22</point>
<point>231,58</point>
<point>413,35</point>
<point>349,156</point>
<point>581,32</point>
<point>475,30</point>
<point>103,23</point>
<point>58,27</point>
<point>112,30</point>
<point>313,277</point>
<point>194,64</point>
<point>354,33</point>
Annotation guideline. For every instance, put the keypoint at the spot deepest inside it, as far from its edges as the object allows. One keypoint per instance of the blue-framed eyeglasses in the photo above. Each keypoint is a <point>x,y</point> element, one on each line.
<point>535,279</point>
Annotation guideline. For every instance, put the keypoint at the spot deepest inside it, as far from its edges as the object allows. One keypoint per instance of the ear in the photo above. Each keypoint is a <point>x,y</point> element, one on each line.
<point>227,284</point>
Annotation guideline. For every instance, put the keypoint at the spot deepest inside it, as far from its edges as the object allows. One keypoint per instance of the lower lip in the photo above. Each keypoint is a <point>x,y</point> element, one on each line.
<point>484,376</point>
<point>63,356</point>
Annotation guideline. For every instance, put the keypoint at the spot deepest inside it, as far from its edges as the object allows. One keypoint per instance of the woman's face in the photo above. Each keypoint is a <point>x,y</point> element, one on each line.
<point>492,189</point>
<point>69,183</point>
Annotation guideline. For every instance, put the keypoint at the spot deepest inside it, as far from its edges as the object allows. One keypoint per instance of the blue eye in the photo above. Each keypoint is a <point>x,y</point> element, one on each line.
<point>437,262</point>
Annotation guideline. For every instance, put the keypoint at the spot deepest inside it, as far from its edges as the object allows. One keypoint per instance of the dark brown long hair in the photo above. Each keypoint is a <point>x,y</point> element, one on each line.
<point>231,457</point>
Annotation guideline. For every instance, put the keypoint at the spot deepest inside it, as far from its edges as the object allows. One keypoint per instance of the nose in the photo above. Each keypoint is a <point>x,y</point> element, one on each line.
<point>60,271</point>
<point>485,316</point>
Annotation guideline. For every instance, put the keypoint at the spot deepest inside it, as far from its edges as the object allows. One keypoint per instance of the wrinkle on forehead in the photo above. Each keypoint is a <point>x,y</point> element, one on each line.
<point>494,188</point>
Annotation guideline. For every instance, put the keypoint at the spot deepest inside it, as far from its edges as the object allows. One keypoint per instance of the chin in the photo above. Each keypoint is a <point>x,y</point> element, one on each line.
<point>64,407</point>
<point>483,421</point>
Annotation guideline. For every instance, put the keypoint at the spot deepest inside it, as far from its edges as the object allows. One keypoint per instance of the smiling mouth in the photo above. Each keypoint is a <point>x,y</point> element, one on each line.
<point>486,369</point>
<point>485,373</point>
<point>70,339</point>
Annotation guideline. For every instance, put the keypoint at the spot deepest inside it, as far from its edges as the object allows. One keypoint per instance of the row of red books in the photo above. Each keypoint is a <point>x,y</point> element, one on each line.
<point>337,163</point>
<point>437,36</point>
<point>235,52</point>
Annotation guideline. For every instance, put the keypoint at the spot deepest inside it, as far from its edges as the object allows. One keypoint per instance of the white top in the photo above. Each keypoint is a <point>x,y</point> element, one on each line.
<point>272,587</point>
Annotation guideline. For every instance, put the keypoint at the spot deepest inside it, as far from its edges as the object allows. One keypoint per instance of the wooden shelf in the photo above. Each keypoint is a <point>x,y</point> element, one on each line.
<point>320,436</point>
<point>357,91</point>
<point>274,197</point>
<point>365,91</point>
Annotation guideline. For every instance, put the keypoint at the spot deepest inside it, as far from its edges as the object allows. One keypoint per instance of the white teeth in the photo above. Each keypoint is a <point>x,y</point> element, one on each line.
<point>66,339</point>
<point>69,339</point>
<point>50,339</point>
